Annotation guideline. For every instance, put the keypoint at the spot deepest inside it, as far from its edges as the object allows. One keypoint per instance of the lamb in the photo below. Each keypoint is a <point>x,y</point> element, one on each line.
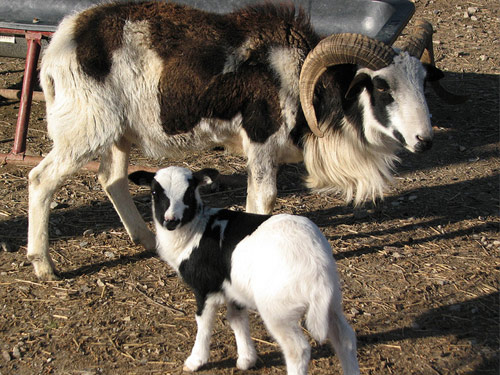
<point>280,265</point>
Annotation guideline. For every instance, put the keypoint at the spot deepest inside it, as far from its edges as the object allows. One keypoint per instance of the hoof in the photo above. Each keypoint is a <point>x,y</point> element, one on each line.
<point>193,364</point>
<point>245,363</point>
<point>44,269</point>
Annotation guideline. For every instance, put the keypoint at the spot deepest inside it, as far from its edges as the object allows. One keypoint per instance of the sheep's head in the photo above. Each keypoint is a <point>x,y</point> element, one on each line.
<point>389,84</point>
<point>175,196</point>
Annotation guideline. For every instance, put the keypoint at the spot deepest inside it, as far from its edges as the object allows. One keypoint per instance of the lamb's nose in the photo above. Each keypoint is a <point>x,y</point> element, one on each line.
<point>171,224</point>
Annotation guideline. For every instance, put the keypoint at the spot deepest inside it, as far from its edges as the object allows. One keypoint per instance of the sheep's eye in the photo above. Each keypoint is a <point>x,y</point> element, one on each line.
<point>381,85</point>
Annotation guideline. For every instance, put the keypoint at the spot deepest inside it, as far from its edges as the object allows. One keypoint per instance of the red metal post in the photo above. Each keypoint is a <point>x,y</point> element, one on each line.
<point>33,40</point>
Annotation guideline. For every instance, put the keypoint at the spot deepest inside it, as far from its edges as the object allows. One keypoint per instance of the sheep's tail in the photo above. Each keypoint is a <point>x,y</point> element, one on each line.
<point>48,87</point>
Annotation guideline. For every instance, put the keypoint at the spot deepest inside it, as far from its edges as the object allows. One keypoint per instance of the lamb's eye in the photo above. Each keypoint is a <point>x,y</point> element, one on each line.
<point>382,89</point>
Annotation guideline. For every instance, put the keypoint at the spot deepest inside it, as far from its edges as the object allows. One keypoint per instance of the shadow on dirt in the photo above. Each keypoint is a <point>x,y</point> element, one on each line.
<point>462,200</point>
<point>472,320</point>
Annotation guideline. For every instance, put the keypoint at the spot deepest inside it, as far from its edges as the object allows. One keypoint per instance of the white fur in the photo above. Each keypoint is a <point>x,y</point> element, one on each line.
<point>284,269</point>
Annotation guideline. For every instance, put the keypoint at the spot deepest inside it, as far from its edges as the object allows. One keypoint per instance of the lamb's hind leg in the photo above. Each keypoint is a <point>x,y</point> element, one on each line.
<point>286,330</point>
<point>44,179</point>
<point>113,177</point>
<point>238,319</point>
<point>343,340</point>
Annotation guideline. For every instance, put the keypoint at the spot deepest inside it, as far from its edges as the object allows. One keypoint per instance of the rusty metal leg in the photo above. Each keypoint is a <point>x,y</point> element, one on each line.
<point>34,45</point>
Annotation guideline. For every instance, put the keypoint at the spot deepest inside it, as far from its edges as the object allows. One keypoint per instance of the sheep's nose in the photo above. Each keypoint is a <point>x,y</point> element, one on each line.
<point>423,144</point>
<point>171,224</point>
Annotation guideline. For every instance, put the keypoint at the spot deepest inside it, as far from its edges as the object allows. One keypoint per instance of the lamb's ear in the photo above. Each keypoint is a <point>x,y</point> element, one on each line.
<point>206,176</point>
<point>142,178</point>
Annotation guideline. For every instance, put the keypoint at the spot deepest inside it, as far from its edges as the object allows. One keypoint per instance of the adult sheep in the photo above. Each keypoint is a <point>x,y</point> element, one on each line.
<point>259,81</point>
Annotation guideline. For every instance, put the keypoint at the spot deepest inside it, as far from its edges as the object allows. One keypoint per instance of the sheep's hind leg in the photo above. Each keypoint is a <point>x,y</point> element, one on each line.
<point>238,320</point>
<point>44,179</point>
<point>113,177</point>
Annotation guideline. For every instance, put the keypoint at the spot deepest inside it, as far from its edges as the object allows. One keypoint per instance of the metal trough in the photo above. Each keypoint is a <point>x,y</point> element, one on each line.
<point>27,25</point>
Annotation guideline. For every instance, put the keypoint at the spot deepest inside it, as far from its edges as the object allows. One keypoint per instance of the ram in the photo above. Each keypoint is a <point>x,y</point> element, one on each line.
<point>259,81</point>
<point>280,265</point>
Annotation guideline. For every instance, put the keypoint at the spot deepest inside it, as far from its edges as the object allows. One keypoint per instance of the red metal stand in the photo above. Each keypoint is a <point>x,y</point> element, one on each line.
<point>33,40</point>
<point>34,45</point>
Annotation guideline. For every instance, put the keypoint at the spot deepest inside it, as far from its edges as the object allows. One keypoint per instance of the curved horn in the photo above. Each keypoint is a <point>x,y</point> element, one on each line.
<point>419,44</point>
<point>420,41</point>
<point>335,50</point>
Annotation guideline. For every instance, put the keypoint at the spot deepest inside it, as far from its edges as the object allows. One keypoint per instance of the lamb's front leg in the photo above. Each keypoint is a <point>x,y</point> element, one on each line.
<point>201,349</point>
<point>238,320</point>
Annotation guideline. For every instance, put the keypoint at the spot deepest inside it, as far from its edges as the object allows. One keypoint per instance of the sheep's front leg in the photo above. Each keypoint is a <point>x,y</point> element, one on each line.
<point>113,178</point>
<point>201,349</point>
<point>262,190</point>
<point>238,320</point>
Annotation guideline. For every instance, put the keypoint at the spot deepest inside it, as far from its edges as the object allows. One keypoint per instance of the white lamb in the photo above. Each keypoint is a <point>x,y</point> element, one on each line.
<point>281,265</point>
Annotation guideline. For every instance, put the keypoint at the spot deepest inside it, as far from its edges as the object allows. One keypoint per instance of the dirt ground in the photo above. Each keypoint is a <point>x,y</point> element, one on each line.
<point>420,271</point>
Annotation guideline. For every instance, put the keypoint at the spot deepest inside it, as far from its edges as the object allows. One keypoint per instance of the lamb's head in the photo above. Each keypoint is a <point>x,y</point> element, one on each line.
<point>388,85</point>
<point>175,193</point>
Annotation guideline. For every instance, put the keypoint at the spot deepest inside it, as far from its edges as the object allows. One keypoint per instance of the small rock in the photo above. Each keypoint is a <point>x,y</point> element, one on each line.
<point>496,243</point>
<point>471,10</point>
<point>100,283</point>
<point>473,18</point>
<point>85,289</point>
<point>412,197</point>
<point>354,311</point>
<point>16,353</point>
<point>396,255</point>
<point>466,15</point>
<point>6,355</point>
<point>53,205</point>
<point>83,244</point>
<point>109,254</point>
<point>483,57</point>
<point>6,247</point>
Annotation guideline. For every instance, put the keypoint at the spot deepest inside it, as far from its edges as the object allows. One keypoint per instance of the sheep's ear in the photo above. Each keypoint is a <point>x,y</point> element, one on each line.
<point>206,176</point>
<point>359,82</point>
<point>142,178</point>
